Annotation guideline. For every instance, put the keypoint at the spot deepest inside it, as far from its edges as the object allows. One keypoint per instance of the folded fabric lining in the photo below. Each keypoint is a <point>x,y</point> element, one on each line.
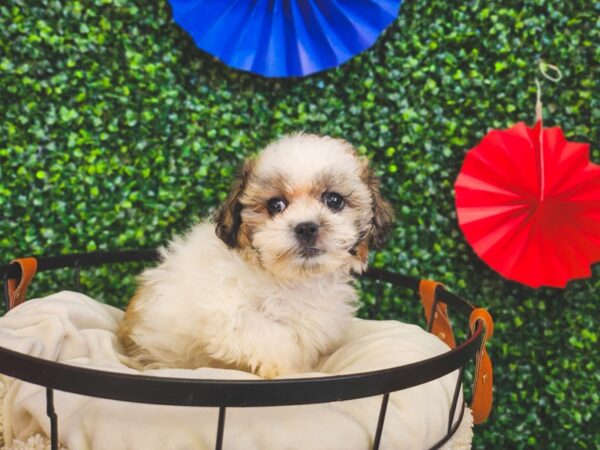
<point>72,328</point>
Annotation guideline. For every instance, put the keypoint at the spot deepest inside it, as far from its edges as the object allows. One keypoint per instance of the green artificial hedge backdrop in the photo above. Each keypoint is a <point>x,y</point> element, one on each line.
<point>117,132</point>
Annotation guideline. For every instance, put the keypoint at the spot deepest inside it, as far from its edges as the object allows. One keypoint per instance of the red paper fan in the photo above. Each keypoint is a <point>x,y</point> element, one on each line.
<point>532,216</point>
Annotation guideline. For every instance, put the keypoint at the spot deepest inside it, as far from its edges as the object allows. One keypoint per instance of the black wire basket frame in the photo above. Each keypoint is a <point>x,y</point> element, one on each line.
<point>223,394</point>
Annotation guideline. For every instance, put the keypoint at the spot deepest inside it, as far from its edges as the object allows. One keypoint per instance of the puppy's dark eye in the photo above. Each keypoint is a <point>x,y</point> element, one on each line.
<point>333,200</point>
<point>276,205</point>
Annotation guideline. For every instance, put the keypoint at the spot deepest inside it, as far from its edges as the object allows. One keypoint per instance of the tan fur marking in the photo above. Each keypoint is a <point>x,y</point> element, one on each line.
<point>227,218</point>
<point>129,322</point>
<point>362,252</point>
<point>383,214</point>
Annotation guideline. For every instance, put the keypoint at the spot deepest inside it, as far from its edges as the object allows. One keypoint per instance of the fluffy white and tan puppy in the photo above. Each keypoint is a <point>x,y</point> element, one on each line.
<point>267,286</point>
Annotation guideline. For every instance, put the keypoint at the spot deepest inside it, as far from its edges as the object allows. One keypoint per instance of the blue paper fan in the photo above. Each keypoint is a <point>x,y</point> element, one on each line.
<point>284,38</point>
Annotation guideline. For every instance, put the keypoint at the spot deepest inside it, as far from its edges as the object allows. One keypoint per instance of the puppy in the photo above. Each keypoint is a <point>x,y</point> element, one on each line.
<point>267,286</point>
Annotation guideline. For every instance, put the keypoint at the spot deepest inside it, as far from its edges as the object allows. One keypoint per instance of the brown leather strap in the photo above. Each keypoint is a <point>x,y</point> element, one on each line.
<point>484,376</point>
<point>441,326</point>
<point>17,292</point>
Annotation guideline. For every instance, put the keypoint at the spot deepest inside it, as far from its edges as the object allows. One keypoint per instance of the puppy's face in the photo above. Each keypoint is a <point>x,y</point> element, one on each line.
<point>306,206</point>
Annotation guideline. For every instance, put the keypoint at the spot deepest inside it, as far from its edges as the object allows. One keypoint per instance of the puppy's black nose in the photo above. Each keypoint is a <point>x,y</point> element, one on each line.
<point>306,231</point>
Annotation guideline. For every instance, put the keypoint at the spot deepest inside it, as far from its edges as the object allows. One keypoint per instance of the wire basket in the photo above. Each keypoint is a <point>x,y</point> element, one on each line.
<point>223,394</point>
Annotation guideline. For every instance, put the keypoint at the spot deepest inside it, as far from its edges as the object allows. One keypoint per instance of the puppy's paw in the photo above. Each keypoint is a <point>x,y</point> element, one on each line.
<point>268,371</point>
<point>271,370</point>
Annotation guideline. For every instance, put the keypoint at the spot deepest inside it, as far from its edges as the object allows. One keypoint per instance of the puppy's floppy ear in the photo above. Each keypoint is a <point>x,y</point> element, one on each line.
<point>383,214</point>
<point>228,218</point>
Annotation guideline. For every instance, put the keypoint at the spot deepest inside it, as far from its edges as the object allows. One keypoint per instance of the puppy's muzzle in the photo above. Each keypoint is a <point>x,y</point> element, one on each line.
<point>306,233</point>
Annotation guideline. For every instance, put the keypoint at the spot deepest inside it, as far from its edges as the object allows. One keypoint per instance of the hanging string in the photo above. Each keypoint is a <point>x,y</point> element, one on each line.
<point>539,114</point>
<point>538,102</point>
<point>543,68</point>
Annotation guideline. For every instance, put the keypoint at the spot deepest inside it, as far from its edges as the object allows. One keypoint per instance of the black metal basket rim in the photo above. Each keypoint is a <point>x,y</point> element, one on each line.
<point>230,393</point>
<point>82,260</point>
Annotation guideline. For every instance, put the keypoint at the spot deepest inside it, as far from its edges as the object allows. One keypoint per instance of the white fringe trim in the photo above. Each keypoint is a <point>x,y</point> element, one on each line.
<point>5,425</point>
<point>463,437</point>
<point>3,389</point>
<point>7,442</point>
<point>35,442</point>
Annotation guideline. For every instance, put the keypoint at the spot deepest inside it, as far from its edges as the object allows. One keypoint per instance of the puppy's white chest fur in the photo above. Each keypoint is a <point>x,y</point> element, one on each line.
<point>207,305</point>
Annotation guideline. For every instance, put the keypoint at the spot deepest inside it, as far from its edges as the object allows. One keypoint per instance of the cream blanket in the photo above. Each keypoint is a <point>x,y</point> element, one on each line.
<point>74,329</point>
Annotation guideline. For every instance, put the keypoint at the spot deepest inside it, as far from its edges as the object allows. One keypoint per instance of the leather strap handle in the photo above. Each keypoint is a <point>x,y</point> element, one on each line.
<point>440,326</point>
<point>484,377</point>
<point>17,289</point>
